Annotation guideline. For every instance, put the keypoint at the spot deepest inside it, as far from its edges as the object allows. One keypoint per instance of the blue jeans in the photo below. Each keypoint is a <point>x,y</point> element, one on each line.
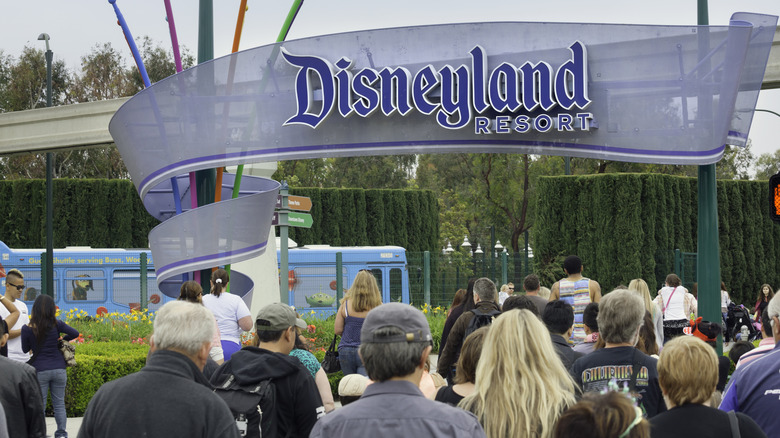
<point>350,361</point>
<point>55,381</point>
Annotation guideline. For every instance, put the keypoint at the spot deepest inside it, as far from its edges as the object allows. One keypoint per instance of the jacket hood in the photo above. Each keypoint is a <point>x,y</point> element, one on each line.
<point>252,364</point>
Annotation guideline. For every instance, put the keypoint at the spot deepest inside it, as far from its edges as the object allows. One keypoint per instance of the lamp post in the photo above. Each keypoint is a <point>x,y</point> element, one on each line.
<point>49,287</point>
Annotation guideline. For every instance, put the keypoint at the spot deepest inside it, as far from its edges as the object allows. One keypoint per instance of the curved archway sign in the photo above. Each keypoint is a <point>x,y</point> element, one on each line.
<point>660,94</point>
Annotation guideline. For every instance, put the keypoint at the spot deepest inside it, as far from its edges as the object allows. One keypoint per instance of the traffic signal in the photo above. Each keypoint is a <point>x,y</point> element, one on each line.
<point>774,197</point>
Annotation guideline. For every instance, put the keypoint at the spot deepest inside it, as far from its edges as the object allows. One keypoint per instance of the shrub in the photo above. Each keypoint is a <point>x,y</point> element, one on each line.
<point>96,364</point>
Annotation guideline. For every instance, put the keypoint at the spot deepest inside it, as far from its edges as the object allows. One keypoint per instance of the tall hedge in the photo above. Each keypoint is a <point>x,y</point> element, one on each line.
<point>627,226</point>
<point>407,218</point>
<point>109,214</point>
<point>97,213</point>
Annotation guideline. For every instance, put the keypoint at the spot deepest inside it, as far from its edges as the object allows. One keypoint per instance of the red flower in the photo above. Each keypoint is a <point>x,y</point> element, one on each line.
<point>311,328</point>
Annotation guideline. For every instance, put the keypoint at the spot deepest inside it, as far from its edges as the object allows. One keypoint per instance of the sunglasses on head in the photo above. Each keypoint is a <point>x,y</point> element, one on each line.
<point>17,286</point>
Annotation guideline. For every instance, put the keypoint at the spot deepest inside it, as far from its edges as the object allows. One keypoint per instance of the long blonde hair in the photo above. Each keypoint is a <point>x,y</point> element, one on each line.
<point>522,387</point>
<point>364,292</point>
<point>640,286</point>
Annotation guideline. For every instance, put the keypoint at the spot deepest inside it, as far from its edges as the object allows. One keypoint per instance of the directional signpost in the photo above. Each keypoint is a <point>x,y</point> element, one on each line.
<point>284,218</point>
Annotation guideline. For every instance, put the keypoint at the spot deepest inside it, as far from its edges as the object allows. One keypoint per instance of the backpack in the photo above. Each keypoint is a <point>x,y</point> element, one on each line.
<point>253,406</point>
<point>480,319</point>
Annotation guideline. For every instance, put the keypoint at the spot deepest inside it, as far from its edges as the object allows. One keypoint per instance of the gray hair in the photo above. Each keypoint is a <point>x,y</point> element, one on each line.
<point>183,326</point>
<point>485,288</point>
<point>621,312</point>
<point>384,361</point>
<point>773,308</point>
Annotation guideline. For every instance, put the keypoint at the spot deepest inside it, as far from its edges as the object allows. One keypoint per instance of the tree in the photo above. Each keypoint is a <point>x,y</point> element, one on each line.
<point>376,172</point>
<point>103,76</point>
<point>25,81</point>
<point>767,165</point>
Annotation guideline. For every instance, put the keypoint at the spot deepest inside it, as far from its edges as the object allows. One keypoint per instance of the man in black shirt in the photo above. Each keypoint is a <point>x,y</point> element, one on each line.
<point>620,314</point>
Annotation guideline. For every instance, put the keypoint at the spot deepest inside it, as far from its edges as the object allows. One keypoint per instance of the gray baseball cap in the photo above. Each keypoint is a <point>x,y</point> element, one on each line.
<point>402,316</point>
<point>280,315</point>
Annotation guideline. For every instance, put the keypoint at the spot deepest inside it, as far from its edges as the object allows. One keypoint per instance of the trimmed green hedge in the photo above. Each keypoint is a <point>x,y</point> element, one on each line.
<point>97,213</point>
<point>109,214</point>
<point>96,364</point>
<point>357,217</point>
<point>627,226</point>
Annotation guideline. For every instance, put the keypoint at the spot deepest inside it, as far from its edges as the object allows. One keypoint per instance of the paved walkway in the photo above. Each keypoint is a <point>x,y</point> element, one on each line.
<point>72,427</point>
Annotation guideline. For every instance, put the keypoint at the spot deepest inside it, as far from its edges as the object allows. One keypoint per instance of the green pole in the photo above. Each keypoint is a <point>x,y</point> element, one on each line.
<point>48,284</point>
<point>144,272</point>
<point>427,277</point>
<point>44,276</point>
<point>205,180</point>
<point>708,258</point>
<point>339,277</point>
<point>504,273</point>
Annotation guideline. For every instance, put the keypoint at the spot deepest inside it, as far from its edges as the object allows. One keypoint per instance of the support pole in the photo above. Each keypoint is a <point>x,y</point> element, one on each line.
<point>708,258</point>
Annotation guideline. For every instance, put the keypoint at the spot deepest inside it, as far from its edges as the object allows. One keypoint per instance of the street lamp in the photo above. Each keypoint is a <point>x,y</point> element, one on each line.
<point>49,287</point>
<point>497,248</point>
<point>466,245</point>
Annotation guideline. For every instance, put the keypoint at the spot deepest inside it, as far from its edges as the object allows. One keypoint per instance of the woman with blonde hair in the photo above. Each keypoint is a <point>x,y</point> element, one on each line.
<point>640,286</point>
<point>358,301</point>
<point>688,373</point>
<point>517,354</point>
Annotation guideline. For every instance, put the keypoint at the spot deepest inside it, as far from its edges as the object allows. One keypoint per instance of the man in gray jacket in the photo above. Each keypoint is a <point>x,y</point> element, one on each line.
<point>395,342</point>
<point>169,396</point>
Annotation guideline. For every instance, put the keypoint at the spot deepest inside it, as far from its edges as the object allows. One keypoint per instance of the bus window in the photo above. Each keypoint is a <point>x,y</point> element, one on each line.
<point>377,273</point>
<point>126,290</point>
<point>32,285</point>
<point>85,285</point>
<point>315,286</point>
<point>396,285</point>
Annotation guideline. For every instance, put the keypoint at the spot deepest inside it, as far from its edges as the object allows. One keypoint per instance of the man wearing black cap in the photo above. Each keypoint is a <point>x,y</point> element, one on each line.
<point>395,342</point>
<point>297,400</point>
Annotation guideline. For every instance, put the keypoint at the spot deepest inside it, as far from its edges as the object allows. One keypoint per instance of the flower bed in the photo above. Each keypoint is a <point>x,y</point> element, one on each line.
<point>116,344</point>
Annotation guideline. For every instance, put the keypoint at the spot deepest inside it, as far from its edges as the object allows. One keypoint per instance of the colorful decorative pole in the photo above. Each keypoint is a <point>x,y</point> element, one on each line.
<point>145,77</point>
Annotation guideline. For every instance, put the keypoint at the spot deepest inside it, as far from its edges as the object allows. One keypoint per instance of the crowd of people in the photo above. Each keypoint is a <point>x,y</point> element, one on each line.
<point>572,364</point>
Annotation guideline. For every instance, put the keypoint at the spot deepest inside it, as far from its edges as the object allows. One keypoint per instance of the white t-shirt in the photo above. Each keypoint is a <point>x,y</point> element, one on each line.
<point>228,309</point>
<point>15,345</point>
<point>675,310</point>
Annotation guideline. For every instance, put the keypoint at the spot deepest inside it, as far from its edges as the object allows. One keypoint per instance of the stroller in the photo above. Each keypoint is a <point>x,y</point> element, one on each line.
<point>736,317</point>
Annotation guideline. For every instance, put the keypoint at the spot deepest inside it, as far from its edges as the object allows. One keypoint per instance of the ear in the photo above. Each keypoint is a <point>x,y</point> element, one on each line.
<point>3,340</point>
<point>424,356</point>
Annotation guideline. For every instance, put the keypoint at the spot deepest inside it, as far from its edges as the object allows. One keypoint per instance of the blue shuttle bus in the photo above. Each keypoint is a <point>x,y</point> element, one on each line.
<point>93,280</point>
<point>109,280</point>
<point>312,274</point>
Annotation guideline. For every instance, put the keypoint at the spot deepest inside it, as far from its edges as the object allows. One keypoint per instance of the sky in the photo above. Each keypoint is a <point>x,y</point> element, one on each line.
<point>76,26</point>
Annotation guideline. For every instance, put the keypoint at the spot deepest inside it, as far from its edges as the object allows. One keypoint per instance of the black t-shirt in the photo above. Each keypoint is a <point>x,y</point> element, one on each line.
<point>699,421</point>
<point>447,395</point>
<point>593,372</point>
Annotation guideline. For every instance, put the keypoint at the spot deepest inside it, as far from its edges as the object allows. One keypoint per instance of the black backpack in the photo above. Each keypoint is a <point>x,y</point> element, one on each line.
<point>253,406</point>
<point>480,319</point>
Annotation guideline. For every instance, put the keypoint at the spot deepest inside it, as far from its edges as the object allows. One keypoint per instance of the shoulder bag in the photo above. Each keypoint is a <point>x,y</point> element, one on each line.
<point>330,364</point>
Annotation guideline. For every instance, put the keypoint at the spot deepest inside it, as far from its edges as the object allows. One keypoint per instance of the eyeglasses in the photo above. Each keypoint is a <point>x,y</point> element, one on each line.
<point>17,286</point>
<point>511,288</point>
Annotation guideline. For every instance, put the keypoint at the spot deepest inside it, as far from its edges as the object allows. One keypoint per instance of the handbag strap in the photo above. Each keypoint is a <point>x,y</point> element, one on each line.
<point>669,300</point>
<point>635,366</point>
<point>734,425</point>
<point>333,343</point>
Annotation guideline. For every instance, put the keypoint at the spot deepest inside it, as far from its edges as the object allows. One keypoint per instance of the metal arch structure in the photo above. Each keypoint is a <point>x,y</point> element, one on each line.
<point>86,124</point>
<point>207,116</point>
